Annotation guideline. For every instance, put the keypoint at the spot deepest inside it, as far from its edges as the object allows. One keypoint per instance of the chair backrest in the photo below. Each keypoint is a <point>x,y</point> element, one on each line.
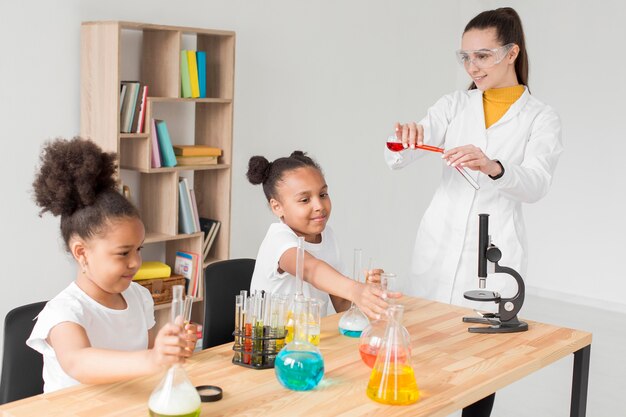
<point>21,366</point>
<point>222,282</point>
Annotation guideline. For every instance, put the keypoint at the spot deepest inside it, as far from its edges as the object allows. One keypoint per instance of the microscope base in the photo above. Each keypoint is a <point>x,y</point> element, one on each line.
<point>495,325</point>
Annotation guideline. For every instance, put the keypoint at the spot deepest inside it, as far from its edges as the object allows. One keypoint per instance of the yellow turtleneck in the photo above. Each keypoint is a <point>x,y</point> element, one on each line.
<point>497,101</point>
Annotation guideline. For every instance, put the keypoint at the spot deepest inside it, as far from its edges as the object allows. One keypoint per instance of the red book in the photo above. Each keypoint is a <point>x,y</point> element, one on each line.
<point>142,110</point>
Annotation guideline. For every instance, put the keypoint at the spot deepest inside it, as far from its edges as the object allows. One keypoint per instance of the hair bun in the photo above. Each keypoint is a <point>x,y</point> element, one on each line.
<point>258,169</point>
<point>72,174</point>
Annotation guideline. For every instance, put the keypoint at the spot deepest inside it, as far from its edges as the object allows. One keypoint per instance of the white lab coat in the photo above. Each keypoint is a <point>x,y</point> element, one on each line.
<point>527,141</point>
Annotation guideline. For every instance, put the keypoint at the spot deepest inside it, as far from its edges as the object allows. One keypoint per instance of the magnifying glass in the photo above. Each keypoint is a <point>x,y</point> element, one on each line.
<point>209,393</point>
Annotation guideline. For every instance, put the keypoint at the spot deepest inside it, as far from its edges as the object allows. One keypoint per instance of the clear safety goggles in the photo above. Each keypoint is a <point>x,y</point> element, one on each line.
<point>483,58</point>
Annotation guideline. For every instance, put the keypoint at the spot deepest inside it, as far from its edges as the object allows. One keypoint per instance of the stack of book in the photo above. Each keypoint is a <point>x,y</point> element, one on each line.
<point>162,151</point>
<point>187,155</point>
<point>193,74</point>
<point>133,102</point>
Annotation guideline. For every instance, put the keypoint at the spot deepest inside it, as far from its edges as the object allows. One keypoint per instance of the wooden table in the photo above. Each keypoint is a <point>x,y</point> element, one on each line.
<point>453,367</point>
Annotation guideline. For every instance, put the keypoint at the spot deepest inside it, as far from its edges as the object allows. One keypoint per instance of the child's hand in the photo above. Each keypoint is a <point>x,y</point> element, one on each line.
<point>369,298</point>
<point>169,347</point>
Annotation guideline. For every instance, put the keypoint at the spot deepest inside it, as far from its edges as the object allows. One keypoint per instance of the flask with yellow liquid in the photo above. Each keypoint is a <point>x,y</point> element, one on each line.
<point>392,380</point>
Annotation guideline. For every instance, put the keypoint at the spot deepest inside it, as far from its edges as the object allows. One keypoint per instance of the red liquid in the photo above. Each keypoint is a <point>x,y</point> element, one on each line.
<point>397,147</point>
<point>368,354</point>
<point>247,342</point>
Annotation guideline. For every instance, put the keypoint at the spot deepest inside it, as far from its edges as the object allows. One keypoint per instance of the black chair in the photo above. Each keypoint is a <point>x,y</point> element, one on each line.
<point>21,366</point>
<point>222,282</point>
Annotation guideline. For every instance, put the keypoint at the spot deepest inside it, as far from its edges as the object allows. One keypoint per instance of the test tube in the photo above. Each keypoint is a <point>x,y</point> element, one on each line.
<point>238,326</point>
<point>257,349</point>
<point>267,328</point>
<point>281,314</point>
<point>300,268</point>
<point>248,331</point>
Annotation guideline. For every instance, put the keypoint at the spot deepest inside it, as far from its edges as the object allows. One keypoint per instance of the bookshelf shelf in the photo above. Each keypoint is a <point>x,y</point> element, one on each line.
<point>179,168</point>
<point>108,50</point>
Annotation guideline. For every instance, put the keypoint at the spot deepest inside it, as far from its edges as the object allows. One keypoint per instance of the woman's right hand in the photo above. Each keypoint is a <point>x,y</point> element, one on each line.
<point>169,347</point>
<point>411,134</point>
<point>368,297</point>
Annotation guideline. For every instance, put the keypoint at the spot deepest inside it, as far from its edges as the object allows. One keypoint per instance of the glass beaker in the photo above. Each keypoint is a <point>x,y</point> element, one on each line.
<point>299,366</point>
<point>175,395</point>
<point>373,335</point>
<point>392,380</point>
<point>353,321</point>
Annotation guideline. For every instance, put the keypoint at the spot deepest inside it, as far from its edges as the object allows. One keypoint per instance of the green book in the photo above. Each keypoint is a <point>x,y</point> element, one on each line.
<point>168,159</point>
<point>184,75</point>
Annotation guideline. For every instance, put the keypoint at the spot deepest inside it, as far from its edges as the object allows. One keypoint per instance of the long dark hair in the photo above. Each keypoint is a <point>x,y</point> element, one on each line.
<point>508,26</point>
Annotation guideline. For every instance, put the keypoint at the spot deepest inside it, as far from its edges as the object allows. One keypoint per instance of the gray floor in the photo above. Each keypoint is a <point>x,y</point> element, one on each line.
<point>546,393</point>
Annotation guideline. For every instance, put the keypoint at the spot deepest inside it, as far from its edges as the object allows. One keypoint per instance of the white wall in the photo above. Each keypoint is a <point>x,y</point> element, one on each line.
<point>330,78</point>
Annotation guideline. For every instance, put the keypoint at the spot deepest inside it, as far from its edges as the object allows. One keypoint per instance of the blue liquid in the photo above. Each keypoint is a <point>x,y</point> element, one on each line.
<point>350,333</point>
<point>299,370</point>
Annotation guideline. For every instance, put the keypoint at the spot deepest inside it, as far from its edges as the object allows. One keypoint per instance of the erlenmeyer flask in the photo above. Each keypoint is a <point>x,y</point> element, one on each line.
<point>353,321</point>
<point>373,335</point>
<point>175,395</point>
<point>299,366</point>
<point>392,380</point>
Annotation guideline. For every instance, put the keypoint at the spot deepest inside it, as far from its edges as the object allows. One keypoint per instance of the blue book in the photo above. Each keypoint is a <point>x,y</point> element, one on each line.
<point>201,60</point>
<point>168,158</point>
<point>185,214</point>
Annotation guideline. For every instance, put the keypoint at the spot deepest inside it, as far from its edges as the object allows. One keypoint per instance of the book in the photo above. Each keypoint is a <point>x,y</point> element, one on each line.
<point>189,267</point>
<point>122,95</point>
<point>193,74</point>
<point>183,265</point>
<point>155,152</point>
<point>201,59</point>
<point>139,125</point>
<point>185,90</point>
<point>196,160</point>
<point>207,250</point>
<point>152,270</point>
<point>128,106</point>
<point>196,150</point>
<point>205,225</point>
<point>168,159</point>
<point>207,239</point>
<point>194,209</point>
<point>185,213</point>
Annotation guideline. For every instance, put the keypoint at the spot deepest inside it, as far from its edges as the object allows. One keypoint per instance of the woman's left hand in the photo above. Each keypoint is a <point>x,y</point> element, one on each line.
<point>472,157</point>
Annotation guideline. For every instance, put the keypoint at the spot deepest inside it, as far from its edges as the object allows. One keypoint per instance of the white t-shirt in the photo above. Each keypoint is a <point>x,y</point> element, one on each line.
<point>106,328</point>
<point>278,239</point>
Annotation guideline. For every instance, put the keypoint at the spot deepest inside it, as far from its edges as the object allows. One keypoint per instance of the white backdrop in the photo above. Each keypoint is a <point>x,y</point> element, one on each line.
<point>331,78</point>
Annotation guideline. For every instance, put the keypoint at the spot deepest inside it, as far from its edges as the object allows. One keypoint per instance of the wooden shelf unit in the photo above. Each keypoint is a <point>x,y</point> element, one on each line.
<point>159,69</point>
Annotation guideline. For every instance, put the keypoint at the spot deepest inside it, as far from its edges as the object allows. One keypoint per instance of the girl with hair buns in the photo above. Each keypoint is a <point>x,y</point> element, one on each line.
<point>100,328</point>
<point>298,195</point>
<point>508,140</point>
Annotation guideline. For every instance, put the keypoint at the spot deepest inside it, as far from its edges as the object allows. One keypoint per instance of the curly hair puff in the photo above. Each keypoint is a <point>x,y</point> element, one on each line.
<point>76,181</point>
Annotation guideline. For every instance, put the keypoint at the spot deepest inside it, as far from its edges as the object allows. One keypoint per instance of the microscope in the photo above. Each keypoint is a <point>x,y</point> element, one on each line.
<point>505,320</point>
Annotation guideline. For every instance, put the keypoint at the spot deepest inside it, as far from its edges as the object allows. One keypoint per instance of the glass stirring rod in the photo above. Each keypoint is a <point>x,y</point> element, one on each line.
<point>396,146</point>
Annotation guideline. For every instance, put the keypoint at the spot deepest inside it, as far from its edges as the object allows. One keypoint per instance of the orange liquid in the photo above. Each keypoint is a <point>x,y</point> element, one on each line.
<point>397,386</point>
<point>368,354</point>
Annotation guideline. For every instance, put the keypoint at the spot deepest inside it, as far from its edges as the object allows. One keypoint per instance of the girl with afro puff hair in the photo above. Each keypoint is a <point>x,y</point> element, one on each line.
<point>100,328</point>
